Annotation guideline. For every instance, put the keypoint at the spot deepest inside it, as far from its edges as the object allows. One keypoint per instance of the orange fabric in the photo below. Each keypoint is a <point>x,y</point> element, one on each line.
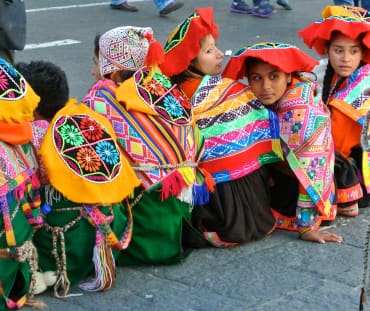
<point>190,86</point>
<point>346,132</point>
<point>15,133</point>
<point>76,186</point>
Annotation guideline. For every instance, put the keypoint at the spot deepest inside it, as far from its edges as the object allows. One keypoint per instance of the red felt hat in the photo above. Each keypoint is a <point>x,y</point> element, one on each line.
<point>183,44</point>
<point>350,21</point>
<point>286,57</point>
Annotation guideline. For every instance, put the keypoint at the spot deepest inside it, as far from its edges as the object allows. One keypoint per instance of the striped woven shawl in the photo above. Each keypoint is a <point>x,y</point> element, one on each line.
<point>240,134</point>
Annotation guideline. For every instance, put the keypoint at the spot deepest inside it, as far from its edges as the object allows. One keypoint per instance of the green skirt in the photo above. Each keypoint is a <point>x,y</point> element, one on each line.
<point>15,276</point>
<point>79,239</point>
<point>158,231</point>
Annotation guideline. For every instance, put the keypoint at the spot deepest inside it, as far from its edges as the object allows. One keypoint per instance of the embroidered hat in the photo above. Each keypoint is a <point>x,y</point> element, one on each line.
<point>288,58</point>
<point>350,21</point>
<point>17,98</point>
<point>128,48</point>
<point>183,44</point>
<point>82,158</point>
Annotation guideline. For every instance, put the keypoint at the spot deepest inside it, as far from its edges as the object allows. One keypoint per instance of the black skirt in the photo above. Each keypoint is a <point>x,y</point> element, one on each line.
<point>238,211</point>
<point>284,190</point>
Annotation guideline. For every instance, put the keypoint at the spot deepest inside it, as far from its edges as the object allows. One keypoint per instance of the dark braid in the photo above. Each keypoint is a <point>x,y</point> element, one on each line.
<point>181,77</point>
<point>329,73</point>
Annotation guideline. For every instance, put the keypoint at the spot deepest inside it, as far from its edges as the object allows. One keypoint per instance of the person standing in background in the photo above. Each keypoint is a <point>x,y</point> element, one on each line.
<point>12,30</point>
<point>164,6</point>
<point>261,8</point>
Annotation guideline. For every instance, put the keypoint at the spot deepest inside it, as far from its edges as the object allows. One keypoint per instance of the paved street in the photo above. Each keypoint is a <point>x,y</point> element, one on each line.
<point>278,273</point>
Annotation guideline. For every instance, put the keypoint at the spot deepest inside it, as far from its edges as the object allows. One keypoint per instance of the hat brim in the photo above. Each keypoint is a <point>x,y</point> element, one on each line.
<point>286,57</point>
<point>183,44</point>
<point>318,34</point>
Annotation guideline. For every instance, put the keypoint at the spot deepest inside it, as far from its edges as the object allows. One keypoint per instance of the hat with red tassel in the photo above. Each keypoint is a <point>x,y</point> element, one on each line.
<point>128,48</point>
<point>352,22</point>
<point>183,45</point>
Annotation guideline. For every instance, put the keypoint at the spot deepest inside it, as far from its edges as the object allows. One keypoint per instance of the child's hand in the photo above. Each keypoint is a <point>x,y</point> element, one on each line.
<point>321,236</point>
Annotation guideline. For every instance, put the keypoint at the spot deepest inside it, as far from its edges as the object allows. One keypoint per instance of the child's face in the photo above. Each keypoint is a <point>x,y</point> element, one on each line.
<point>268,83</point>
<point>209,59</point>
<point>344,55</point>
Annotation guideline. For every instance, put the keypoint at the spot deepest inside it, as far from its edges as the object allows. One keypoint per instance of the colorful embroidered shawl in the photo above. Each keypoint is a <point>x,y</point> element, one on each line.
<point>82,158</point>
<point>240,134</point>
<point>153,122</point>
<point>305,131</point>
<point>20,216</point>
<point>354,101</point>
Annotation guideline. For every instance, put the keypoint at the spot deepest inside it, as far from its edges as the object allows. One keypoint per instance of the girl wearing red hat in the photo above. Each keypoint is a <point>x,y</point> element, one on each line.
<point>343,35</point>
<point>303,185</point>
<point>153,122</point>
<point>240,136</point>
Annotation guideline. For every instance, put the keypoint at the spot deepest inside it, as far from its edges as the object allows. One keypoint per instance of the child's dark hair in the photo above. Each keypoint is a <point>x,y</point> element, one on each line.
<point>49,82</point>
<point>329,72</point>
<point>96,45</point>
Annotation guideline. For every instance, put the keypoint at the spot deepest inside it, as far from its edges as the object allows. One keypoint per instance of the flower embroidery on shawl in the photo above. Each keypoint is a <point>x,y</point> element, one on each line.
<point>163,97</point>
<point>155,87</point>
<point>311,174</point>
<point>3,81</point>
<point>287,116</point>
<point>107,152</point>
<point>298,115</point>
<point>296,127</point>
<point>90,129</point>
<point>86,147</point>
<point>12,84</point>
<point>294,139</point>
<point>162,80</point>
<point>88,159</point>
<point>322,161</point>
<point>314,162</point>
<point>182,98</point>
<point>172,106</point>
<point>71,135</point>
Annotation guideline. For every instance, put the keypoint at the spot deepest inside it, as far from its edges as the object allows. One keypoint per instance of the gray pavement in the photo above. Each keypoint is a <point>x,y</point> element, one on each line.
<point>278,273</point>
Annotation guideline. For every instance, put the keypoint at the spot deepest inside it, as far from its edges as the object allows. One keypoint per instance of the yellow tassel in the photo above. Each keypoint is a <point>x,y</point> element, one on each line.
<point>187,174</point>
<point>365,169</point>
<point>150,75</point>
<point>276,147</point>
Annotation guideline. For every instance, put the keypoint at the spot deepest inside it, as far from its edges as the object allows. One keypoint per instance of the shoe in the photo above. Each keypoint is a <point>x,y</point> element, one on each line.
<point>124,7</point>
<point>284,4</point>
<point>171,7</point>
<point>265,9</point>
<point>240,7</point>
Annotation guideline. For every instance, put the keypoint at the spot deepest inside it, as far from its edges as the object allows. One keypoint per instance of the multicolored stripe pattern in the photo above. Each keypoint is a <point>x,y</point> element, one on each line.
<point>147,139</point>
<point>240,134</point>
